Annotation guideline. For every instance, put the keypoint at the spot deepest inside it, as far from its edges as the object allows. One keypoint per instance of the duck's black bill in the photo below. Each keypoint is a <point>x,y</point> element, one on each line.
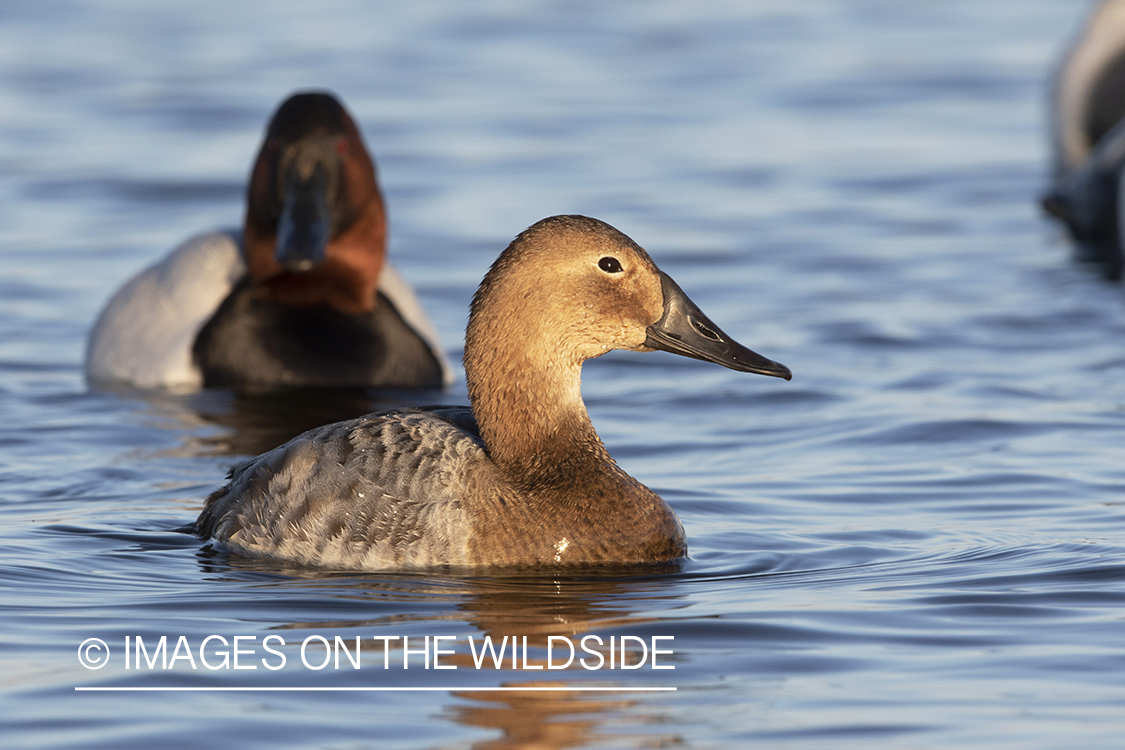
<point>305,226</point>
<point>685,330</point>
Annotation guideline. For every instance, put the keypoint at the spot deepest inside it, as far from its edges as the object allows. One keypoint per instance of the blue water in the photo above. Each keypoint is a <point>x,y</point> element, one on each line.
<point>919,542</point>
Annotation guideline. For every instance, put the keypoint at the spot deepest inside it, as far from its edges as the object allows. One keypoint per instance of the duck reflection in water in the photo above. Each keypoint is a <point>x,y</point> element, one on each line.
<point>604,603</point>
<point>565,718</point>
<point>219,422</point>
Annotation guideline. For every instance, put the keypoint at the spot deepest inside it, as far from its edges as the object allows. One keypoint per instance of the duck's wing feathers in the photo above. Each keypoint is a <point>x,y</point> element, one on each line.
<point>144,336</point>
<point>381,491</point>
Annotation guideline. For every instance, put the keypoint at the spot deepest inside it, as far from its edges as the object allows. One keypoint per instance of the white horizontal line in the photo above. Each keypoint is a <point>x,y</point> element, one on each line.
<point>541,689</point>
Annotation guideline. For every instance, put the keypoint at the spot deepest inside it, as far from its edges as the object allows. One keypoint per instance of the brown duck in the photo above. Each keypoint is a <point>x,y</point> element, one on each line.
<point>519,479</point>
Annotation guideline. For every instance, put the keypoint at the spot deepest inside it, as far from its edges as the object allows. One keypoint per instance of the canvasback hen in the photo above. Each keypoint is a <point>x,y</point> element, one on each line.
<point>520,478</point>
<point>1088,138</point>
<point>302,296</point>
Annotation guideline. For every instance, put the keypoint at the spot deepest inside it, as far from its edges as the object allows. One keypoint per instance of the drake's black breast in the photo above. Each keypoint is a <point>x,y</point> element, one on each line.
<point>255,342</point>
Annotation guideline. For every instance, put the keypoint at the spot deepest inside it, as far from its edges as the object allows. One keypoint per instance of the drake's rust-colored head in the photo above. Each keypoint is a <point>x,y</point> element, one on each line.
<point>315,230</point>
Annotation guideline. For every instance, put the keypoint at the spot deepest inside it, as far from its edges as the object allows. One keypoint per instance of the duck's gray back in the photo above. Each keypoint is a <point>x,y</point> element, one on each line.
<point>381,491</point>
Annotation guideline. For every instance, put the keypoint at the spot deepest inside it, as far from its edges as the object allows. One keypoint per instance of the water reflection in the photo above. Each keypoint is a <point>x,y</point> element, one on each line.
<point>572,609</point>
<point>523,609</point>
<point>558,719</point>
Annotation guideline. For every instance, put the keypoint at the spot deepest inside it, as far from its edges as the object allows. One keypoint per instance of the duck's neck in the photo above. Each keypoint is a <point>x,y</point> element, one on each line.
<point>532,418</point>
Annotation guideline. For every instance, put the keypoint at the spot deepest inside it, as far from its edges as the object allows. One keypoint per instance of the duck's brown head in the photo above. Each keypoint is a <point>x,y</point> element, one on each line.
<point>315,231</point>
<point>571,288</point>
<point>568,289</point>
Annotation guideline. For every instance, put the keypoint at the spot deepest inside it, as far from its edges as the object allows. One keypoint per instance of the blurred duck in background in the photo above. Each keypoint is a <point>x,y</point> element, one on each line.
<point>302,297</point>
<point>1088,137</point>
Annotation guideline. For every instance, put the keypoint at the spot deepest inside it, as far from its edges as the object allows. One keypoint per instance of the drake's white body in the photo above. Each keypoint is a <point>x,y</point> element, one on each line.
<point>144,335</point>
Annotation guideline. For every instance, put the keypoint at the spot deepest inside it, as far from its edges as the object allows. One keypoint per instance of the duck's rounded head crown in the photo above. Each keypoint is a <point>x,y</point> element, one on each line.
<point>307,112</point>
<point>568,288</point>
<point>315,229</point>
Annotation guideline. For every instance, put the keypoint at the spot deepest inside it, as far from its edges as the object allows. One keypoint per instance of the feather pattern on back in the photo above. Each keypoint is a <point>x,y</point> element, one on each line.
<point>356,494</point>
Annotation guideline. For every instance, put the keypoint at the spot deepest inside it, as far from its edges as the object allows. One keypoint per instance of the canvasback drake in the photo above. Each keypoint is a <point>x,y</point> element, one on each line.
<point>520,478</point>
<point>301,297</point>
<point>1087,138</point>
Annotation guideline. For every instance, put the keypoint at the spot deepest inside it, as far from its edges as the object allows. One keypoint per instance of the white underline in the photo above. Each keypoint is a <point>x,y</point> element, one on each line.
<point>375,689</point>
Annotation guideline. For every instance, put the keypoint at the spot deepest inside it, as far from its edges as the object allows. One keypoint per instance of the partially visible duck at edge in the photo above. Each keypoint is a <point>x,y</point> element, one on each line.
<point>302,297</point>
<point>1088,138</point>
<point>520,478</point>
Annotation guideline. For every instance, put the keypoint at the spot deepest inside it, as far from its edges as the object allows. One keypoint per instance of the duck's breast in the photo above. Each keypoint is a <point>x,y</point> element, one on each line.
<point>255,341</point>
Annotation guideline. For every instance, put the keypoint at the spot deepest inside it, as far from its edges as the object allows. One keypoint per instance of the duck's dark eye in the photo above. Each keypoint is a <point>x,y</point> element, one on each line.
<point>609,265</point>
